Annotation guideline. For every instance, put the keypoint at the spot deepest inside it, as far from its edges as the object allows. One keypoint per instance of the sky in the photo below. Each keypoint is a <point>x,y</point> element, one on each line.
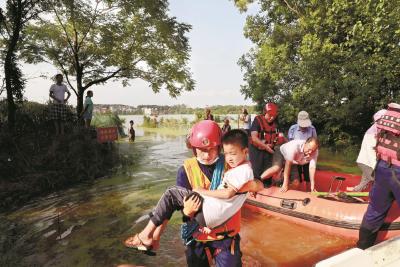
<point>216,41</point>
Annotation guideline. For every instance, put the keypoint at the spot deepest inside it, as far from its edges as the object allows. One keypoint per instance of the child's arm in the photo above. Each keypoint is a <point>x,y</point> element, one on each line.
<point>219,193</point>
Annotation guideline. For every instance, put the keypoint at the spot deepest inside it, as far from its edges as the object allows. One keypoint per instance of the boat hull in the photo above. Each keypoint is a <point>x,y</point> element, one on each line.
<point>332,217</point>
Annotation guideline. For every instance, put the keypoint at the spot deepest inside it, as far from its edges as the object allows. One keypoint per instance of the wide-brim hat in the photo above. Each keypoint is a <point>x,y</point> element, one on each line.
<point>303,119</point>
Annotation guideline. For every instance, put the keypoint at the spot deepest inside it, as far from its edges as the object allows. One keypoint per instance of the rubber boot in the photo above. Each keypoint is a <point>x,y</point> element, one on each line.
<point>366,238</point>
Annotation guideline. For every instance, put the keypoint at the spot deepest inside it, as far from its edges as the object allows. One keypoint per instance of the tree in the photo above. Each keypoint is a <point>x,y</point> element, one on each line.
<point>92,42</point>
<point>12,25</point>
<point>337,59</point>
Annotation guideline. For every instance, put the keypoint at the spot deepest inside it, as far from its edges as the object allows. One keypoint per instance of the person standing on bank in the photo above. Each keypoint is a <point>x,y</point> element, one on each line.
<point>87,111</point>
<point>264,133</point>
<point>226,127</point>
<point>208,115</point>
<point>303,130</point>
<point>58,109</point>
<point>246,118</point>
<point>386,187</point>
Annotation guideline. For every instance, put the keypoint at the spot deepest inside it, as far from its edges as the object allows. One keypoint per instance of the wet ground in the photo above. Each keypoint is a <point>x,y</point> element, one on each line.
<point>85,225</point>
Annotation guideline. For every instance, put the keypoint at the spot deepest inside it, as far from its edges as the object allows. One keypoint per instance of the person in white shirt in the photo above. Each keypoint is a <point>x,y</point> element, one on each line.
<point>218,206</point>
<point>246,118</point>
<point>58,109</point>
<point>302,130</point>
<point>366,159</point>
<point>298,152</point>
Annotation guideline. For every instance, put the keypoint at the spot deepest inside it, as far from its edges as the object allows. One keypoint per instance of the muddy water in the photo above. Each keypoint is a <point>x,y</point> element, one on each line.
<point>84,226</point>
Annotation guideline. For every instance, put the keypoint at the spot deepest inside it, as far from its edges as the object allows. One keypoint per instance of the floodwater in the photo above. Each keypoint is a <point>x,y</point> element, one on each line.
<point>85,225</point>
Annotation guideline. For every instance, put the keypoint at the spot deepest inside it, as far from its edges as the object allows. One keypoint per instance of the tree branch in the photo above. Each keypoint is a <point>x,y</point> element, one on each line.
<point>292,9</point>
<point>64,29</point>
<point>102,80</point>
<point>90,25</point>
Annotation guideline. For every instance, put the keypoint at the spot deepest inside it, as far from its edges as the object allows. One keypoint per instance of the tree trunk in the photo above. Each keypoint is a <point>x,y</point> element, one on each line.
<point>9,65</point>
<point>11,109</point>
<point>79,101</point>
<point>9,69</point>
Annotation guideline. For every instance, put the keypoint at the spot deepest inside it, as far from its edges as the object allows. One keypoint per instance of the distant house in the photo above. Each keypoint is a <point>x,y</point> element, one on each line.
<point>147,111</point>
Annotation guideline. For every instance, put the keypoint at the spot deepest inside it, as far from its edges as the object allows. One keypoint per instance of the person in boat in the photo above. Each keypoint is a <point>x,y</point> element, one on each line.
<point>366,159</point>
<point>263,136</point>
<point>386,187</point>
<point>205,170</point>
<point>297,152</point>
<point>217,206</point>
<point>226,127</point>
<point>303,130</point>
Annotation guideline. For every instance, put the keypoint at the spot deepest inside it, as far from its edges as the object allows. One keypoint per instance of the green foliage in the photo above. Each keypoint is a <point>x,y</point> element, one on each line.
<point>93,42</point>
<point>58,162</point>
<point>337,59</point>
<point>13,21</point>
<point>149,122</point>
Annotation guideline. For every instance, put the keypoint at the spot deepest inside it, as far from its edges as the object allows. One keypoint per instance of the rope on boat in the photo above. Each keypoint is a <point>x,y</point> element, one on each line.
<point>305,201</point>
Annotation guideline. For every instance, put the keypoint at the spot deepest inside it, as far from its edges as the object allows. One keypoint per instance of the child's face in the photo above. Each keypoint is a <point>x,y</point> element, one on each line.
<point>234,154</point>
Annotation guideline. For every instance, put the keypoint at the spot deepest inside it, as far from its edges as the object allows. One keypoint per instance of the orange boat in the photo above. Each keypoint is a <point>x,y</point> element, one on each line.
<point>335,215</point>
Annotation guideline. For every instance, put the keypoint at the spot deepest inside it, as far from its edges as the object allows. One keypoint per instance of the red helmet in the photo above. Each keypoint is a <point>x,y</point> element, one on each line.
<point>205,134</point>
<point>271,109</point>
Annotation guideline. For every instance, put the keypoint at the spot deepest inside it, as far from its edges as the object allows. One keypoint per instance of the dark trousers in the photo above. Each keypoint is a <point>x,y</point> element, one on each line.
<point>172,200</point>
<point>220,250</point>
<point>385,190</point>
<point>260,160</point>
<point>304,172</point>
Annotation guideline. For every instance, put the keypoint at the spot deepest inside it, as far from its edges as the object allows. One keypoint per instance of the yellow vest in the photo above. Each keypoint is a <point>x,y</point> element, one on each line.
<point>198,179</point>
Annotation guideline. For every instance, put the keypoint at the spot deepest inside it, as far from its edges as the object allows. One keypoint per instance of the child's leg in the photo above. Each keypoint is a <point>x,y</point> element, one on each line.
<point>171,200</point>
<point>157,234</point>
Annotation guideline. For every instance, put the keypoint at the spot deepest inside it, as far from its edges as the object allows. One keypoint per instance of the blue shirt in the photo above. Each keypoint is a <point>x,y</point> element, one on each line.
<point>296,134</point>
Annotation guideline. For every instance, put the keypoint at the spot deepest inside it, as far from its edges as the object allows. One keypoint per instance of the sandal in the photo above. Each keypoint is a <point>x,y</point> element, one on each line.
<point>140,246</point>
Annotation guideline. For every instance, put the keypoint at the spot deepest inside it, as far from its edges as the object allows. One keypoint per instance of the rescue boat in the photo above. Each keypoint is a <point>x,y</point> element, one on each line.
<point>333,212</point>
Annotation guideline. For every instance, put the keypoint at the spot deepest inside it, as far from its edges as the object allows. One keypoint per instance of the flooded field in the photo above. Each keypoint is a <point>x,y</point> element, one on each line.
<point>85,225</point>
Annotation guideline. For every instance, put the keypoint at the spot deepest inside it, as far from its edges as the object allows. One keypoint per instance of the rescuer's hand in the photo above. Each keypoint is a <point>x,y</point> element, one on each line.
<point>269,148</point>
<point>191,205</point>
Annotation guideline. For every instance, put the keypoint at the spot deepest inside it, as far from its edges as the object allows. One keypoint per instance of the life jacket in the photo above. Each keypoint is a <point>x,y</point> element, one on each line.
<point>269,131</point>
<point>388,143</point>
<point>198,179</point>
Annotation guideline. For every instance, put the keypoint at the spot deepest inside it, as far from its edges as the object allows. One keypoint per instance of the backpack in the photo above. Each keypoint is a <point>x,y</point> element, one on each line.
<point>388,143</point>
